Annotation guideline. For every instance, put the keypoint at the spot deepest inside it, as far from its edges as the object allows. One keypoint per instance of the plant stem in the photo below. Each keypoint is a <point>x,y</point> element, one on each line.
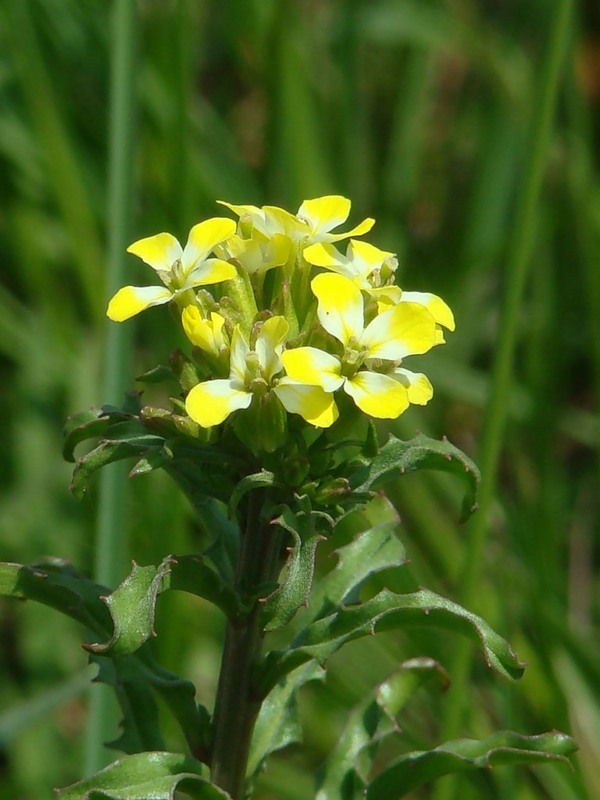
<point>236,705</point>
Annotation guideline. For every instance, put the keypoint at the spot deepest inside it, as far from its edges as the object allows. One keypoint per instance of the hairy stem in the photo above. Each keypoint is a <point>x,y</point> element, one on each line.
<point>237,705</point>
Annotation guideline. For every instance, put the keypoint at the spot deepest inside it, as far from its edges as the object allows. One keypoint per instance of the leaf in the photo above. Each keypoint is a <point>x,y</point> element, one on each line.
<point>398,457</point>
<point>132,605</point>
<point>386,611</point>
<point>146,776</point>
<point>83,426</point>
<point>372,551</point>
<point>347,768</point>
<point>105,453</point>
<point>134,678</point>
<point>278,723</point>
<point>505,747</point>
<point>280,606</point>
<point>256,481</point>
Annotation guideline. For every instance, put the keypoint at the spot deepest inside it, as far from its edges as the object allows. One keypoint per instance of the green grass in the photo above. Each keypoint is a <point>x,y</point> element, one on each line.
<point>420,111</point>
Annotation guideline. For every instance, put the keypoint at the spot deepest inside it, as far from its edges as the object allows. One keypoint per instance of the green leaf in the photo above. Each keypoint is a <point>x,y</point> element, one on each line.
<point>83,426</point>
<point>146,776</point>
<point>135,678</point>
<point>132,608</point>
<point>280,606</point>
<point>372,551</point>
<point>506,747</point>
<point>105,453</point>
<point>386,611</point>
<point>397,457</point>
<point>347,768</point>
<point>278,724</point>
<point>256,481</point>
<point>132,605</point>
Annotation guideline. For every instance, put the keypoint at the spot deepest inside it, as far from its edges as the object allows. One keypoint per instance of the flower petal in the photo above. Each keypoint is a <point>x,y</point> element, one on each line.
<point>160,251</point>
<point>269,344</point>
<point>130,300</point>
<point>406,329</point>
<point>239,351</point>
<point>340,309</point>
<point>418,386</point>
<point>387,296</point>
<point>363,227</point>
<point>438,309</point>
<point>326,255</point>
<point>213,270</point>
<point>377,395</point>
<point>205,334</point>
<point>203,239</point>
<point>211,402</point>
<point>313,367</point>
<point>311,402</point>
<point>325,213</point>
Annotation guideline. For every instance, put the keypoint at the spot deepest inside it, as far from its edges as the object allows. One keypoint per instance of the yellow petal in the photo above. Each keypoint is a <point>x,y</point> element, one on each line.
<point>387,297</point>
<point>367,256</point>
<point>203,239</point>
<point>438,309</point>
<point>406,329</point>
<point>325,213</point>
<point>130,300</point>
<point>159,251</point>
<point>340,309</point>
<point>363,227</point>
<point>213,270</point>
<point>325,255</point>
<point>269,344</point>
<point>241,211</point>
<point>377,395</point>
<point>314,367</point>
<point>311,402</point>
<point>211,402</point>
<point>418,386</point>
<point>278,220</point>
<point>239,350</point>
<point>204,333</point>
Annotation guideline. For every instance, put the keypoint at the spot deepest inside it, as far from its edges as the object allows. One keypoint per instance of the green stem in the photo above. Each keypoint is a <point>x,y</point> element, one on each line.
<point>517,266</point>
<point>236,705</point>
<point>111,548</point>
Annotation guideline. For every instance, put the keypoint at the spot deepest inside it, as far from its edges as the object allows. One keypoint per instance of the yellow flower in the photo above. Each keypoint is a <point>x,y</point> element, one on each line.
<point>179,269</point>
<point>363,263</point>
<point>314,221</point>
<point>406,329</point>
<point>254,373</point>
<point>207,334</point>
<point>323,214</point>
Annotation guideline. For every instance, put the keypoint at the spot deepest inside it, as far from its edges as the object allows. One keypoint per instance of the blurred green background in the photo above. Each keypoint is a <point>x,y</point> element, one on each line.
<point>421,112</point>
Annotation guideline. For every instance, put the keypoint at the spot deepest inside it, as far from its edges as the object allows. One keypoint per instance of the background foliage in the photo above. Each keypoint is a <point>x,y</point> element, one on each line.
<point>418,110</point>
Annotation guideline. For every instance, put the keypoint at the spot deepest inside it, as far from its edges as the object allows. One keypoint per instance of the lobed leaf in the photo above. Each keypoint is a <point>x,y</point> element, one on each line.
<point>278,723</point>
<point>347,768</point>
<point>370,552</point>
<point>398,457</point>
<point>505,747</point>
<point>385,611</point>
<point>135,678</point>
<point>280,606</point>
<point>146,776</point>
<point>132,605</point>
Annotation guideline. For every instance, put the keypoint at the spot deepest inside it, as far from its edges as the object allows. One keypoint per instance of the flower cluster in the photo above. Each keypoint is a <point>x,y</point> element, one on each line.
<point>289,320</point>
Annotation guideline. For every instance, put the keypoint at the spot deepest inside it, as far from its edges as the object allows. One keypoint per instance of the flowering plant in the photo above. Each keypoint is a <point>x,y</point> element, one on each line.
<point>296,348</point>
